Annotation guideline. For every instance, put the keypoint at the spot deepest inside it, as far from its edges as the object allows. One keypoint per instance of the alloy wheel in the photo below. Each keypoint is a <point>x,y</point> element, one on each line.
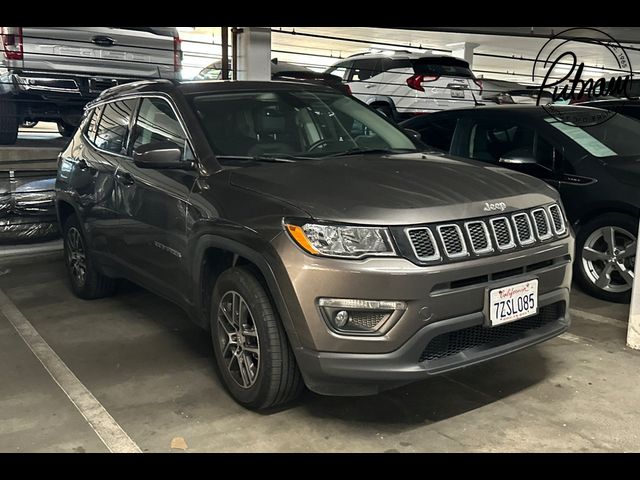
<point>76,257</point>
<point>239,341</point>
<point>608,259</point>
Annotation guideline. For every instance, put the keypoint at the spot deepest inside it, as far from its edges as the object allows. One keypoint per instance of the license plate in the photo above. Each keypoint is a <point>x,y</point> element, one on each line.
<point>457,93</point>
<point>513,302</point>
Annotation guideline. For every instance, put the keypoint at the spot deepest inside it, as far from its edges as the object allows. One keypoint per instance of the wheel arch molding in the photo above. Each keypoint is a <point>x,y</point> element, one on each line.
<point>234,253</point>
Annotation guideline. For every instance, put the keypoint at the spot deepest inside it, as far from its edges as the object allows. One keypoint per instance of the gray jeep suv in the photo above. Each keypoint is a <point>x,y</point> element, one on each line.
<point>309,235</point>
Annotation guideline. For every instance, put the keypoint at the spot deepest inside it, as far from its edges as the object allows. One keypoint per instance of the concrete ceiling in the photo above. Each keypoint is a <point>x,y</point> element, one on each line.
<point>503,52</point>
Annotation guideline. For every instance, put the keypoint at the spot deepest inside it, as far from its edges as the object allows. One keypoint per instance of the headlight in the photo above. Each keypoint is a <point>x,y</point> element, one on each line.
<point>343,241</point>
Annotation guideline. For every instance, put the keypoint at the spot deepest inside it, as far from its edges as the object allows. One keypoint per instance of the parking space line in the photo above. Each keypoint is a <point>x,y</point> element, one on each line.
<point>103,424</point>
<point>594,317</point>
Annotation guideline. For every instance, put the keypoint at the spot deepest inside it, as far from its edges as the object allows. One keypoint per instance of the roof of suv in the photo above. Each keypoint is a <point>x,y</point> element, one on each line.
<point>400,55</point>
<point>202,86</point>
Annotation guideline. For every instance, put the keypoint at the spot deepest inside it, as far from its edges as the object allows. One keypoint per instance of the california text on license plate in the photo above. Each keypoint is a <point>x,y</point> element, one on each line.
<point>513,302</point>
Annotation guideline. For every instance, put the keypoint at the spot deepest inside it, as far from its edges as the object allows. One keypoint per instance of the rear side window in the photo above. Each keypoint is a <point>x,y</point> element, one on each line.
<point>93,124</point>
<point>157,122</point>
<point>442,67</point>
<point>113,127</point>
<point>341,70</point>
<point>365,69</point>
<point>438,132</point>
<point>492,140</point>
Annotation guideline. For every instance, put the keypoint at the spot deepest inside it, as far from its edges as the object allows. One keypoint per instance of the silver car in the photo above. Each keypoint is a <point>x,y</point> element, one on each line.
<point>405,84</point>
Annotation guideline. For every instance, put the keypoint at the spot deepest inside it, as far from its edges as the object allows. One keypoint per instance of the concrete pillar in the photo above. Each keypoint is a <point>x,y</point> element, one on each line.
<point>633,332</point>
<point>463,50</point>
<point>254,53</point>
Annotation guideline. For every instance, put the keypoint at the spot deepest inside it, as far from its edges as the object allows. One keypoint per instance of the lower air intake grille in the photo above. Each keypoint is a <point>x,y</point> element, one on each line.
<point>481,337</point>
<point>367,319</point>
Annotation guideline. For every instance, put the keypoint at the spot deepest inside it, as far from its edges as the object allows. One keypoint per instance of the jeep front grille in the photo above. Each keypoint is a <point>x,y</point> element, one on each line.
<point>423,243</point>
<point>485,236</point>
<point>479,237</point>
<point>558,219</point>
<point>541,221</point>
<point>502,232</point>
<point>452,240</point>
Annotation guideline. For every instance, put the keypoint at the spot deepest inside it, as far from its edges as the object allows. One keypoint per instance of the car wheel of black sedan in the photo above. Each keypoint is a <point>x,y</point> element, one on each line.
<point>605,256</point>
<point>86,281</point>
<point>250,345</point>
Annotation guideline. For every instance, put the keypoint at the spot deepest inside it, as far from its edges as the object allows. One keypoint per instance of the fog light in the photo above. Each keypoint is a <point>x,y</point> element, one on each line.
<point>359,316</point>
<point>341,318</point>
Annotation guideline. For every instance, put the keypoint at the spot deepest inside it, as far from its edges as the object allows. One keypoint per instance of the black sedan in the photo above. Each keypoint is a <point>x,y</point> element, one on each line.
<point>594,164</point>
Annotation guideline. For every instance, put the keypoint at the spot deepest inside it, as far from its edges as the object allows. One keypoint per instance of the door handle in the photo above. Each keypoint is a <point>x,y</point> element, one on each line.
<point>124,178</point>
<point>370,85</point>
<point>103,41</point>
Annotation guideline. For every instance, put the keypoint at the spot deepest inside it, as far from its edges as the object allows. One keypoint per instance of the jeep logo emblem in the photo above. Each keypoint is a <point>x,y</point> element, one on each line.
<point>492,207</point>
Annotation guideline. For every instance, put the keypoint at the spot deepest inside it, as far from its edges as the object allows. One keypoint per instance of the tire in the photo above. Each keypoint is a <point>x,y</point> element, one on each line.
<point>65,129</point>
<point>386,110</point>
<point>270,375</point>
<point>92,284</point>
<point>598,258</point>
<point>8,122</point>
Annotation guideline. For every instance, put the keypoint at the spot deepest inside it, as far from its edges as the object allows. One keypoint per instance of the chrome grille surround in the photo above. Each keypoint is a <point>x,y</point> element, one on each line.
<point>497,223</point>
<point>475,236</point>
<point>521,222</point>
<point>454,243</point>
<point>557,219</point>
<point>412,234</point>
<point>542,224</point>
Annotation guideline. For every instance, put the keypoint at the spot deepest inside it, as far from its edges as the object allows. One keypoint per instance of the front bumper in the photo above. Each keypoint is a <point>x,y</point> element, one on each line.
<point>436,348</point>
<point>59,84</point>
<point>439,299</point>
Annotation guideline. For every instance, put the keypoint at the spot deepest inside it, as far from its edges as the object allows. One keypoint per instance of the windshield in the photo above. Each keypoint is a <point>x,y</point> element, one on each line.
<point>616,136</point>
<point>301,124</point>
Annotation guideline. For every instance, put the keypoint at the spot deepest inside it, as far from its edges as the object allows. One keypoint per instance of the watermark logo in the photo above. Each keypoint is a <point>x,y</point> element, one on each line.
<point>561,70</point>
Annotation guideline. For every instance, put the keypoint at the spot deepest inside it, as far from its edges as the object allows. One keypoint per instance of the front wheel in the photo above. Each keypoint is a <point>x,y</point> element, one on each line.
<point>250,345</point>
<point>606,254</point>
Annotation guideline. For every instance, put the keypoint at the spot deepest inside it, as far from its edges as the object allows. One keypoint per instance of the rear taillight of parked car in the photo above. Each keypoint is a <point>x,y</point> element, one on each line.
<point>12,42</point>
<point>415,81</point>
<point>177,54</point>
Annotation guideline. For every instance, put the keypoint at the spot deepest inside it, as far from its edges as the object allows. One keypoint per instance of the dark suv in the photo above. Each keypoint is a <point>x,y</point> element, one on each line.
<point>309,235</point>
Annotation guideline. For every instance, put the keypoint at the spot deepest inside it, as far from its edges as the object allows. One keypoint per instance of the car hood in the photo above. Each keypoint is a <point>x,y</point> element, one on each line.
<point>394,189</point>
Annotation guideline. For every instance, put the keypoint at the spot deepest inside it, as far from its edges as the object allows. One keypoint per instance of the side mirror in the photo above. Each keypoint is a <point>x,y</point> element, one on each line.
<point>160,155</point>
<point>413,134</point>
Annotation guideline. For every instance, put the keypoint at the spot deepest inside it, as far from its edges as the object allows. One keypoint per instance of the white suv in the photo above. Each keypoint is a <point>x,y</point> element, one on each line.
<point>404,84</point>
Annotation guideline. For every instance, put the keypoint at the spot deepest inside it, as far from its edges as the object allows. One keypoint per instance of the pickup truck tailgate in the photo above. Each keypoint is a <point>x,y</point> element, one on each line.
<point>104,51</point>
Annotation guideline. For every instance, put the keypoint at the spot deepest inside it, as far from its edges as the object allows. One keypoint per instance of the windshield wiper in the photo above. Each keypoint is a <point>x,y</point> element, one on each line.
<point>368,151</point>
<point>279,158</point>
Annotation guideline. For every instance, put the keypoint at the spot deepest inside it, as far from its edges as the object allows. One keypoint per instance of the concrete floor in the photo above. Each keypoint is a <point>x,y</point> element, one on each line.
<point>153,372</point>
